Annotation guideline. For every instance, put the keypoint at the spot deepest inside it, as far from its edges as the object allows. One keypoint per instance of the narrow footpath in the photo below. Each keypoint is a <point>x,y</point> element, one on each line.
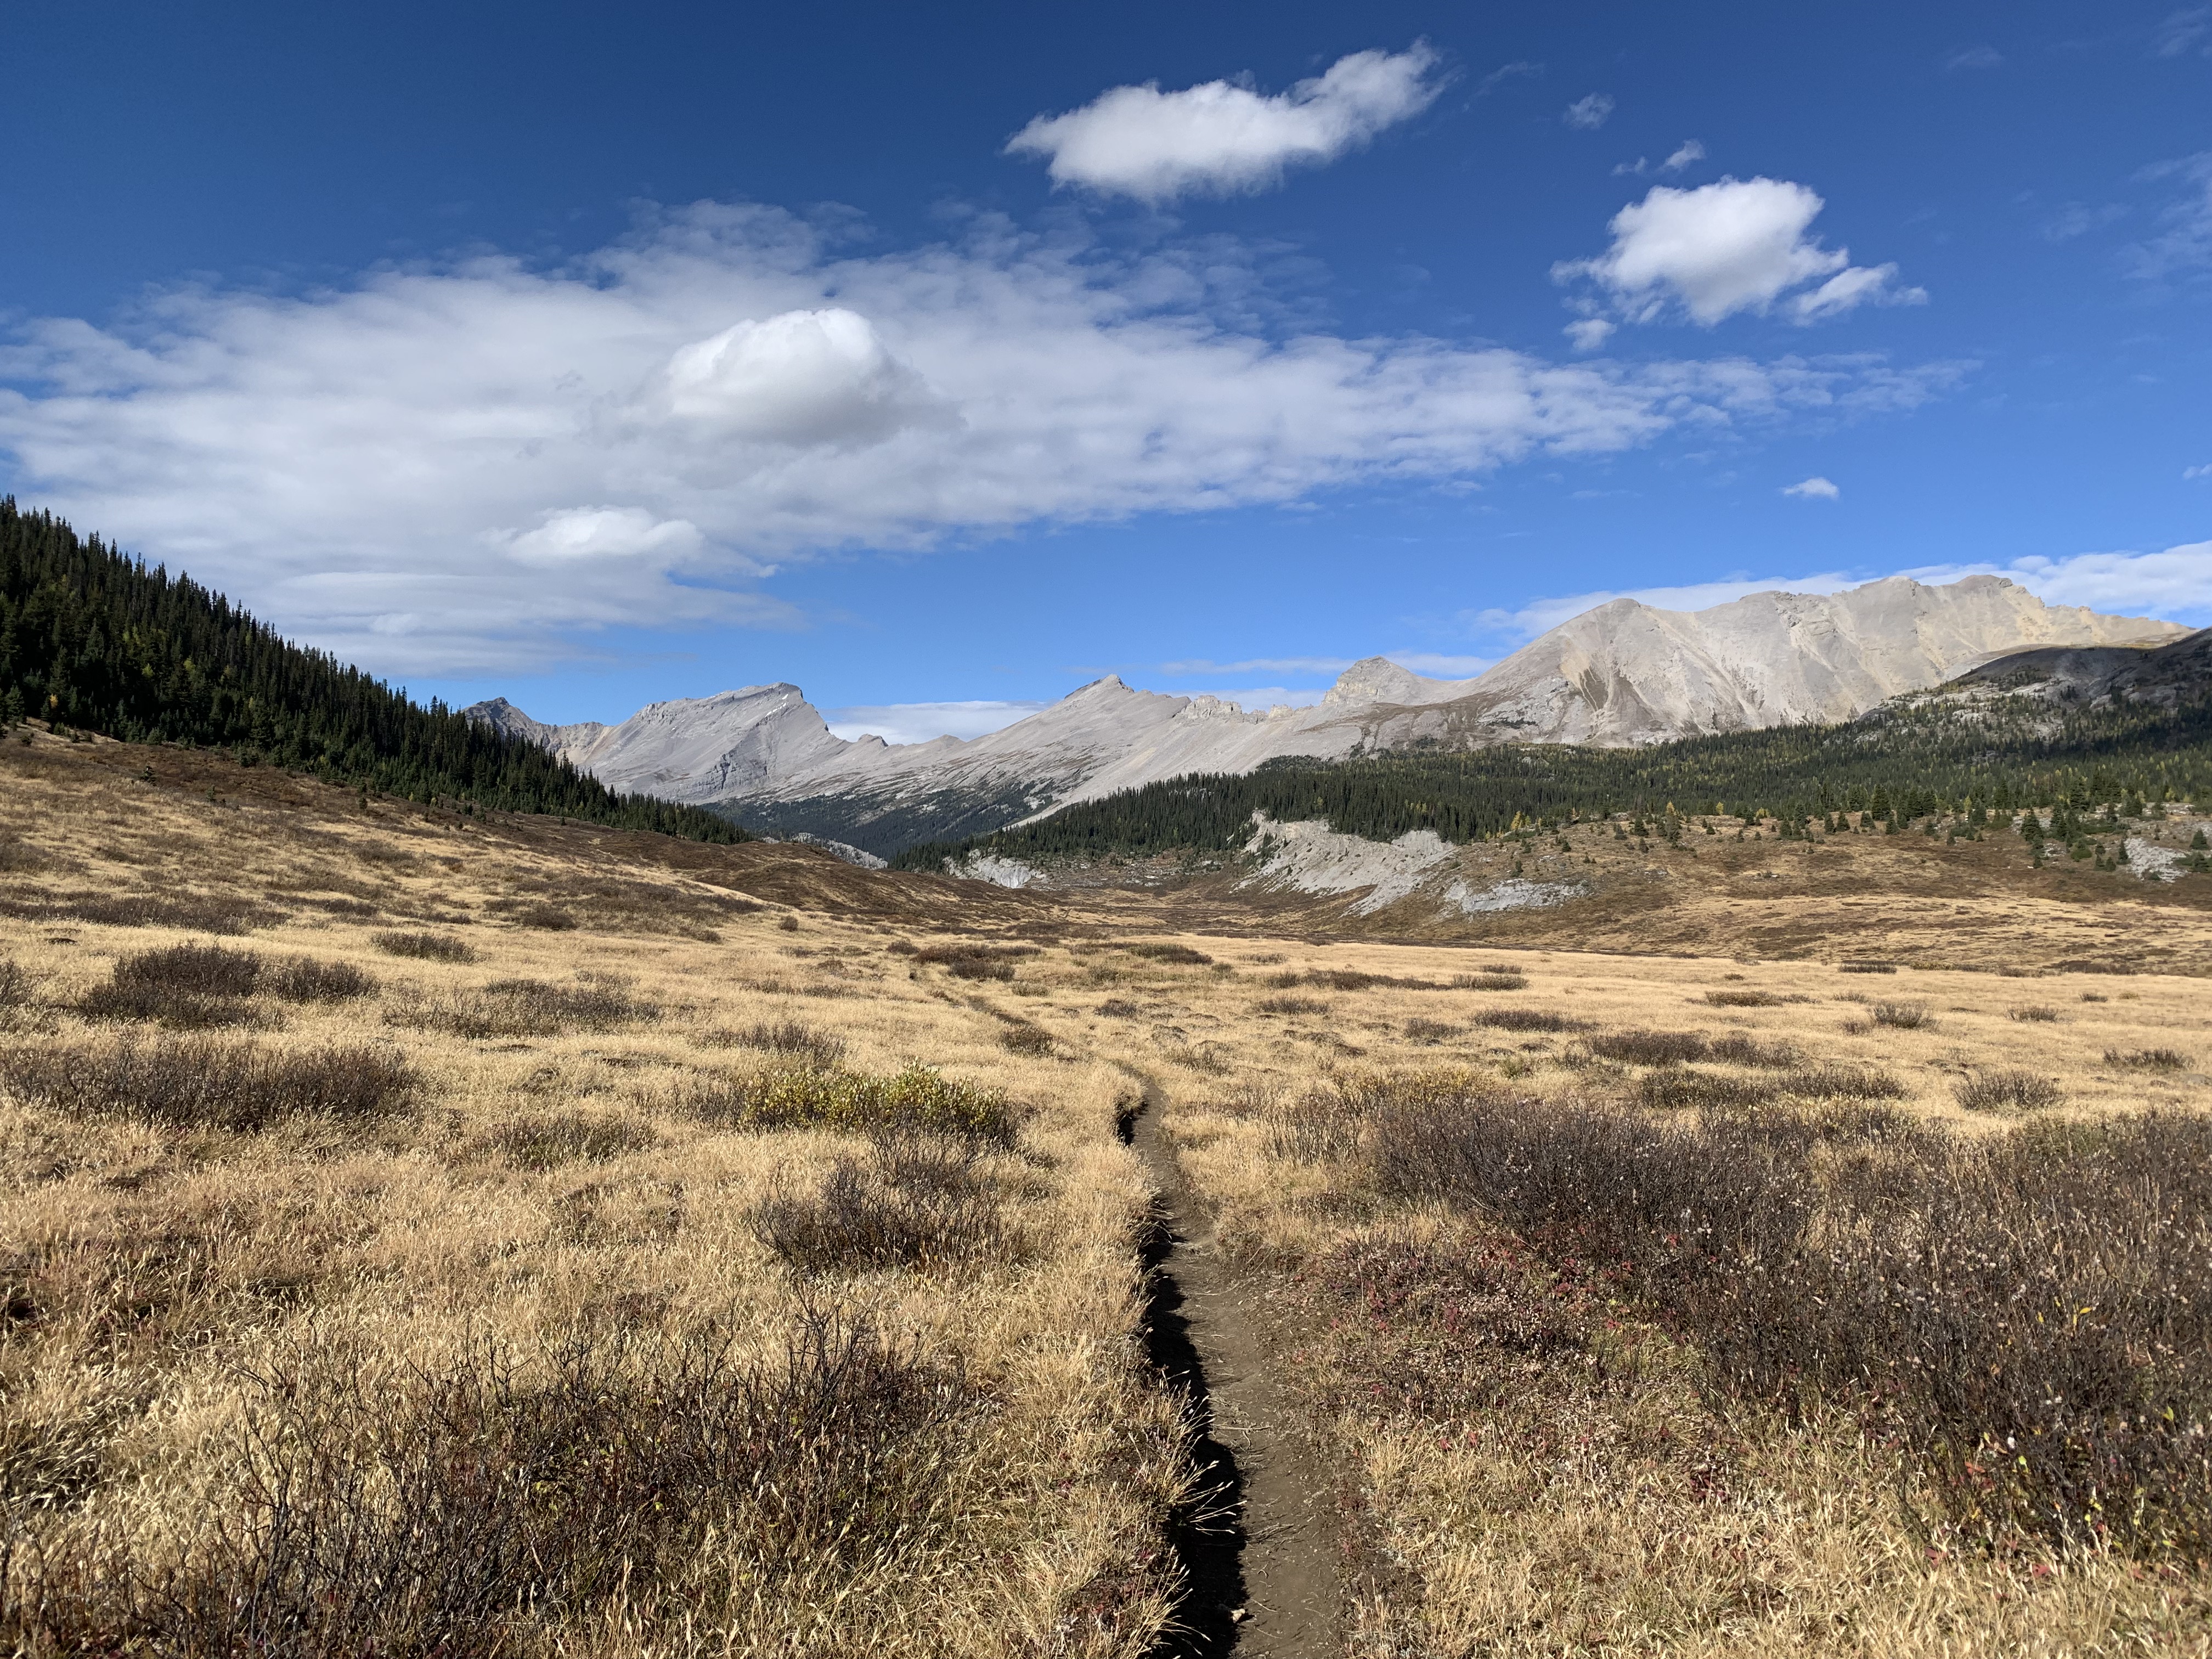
<point>1261,1552</point>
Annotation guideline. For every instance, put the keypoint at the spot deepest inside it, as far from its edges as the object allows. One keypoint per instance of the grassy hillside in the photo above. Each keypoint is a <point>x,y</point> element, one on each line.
<point>1909,760</point>
<point>92,639</point>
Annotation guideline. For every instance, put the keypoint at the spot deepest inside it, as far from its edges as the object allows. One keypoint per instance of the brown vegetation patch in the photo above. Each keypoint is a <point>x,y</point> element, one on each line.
<point>2033,1318</point>
<point>919,1201</point>
<point>208,1083</point>
<point>425,947</point>
<point>521,1007</point>
<point>1649,1048</point>
<point>492,1503</point>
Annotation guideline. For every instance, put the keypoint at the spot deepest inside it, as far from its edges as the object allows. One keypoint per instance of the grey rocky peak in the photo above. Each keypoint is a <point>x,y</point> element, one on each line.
<point>1625,673</point>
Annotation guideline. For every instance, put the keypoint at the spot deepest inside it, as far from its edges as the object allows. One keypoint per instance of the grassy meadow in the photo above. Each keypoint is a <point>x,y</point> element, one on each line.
<point>420,1234</point>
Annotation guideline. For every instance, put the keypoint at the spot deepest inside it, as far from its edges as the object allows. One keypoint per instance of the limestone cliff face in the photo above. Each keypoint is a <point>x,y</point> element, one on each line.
<point>1625,673</point>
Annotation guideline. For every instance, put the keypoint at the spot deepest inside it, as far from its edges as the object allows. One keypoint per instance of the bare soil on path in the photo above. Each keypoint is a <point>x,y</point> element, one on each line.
<point>1262,1554</point>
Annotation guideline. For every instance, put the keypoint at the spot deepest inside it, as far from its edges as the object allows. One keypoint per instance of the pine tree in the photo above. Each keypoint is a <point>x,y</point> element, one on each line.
<point>91,639</point>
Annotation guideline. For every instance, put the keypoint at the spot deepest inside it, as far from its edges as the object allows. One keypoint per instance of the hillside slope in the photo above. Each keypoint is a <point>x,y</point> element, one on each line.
<point>1624,675</point>
<point>92,639</point>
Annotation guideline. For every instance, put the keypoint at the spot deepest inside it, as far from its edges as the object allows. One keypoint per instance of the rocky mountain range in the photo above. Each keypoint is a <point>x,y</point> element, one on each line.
<point>1624,673</point>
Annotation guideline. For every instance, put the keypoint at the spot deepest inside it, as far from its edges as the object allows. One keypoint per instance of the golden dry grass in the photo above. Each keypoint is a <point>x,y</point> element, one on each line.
<point>547,1179</point>
<point>1514,1502</point>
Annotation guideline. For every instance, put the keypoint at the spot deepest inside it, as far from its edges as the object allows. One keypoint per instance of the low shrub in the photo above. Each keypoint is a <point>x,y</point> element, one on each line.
<point>918,1099</point>
<point>2008,1091</point>
<point>1528,1019</point>
<point>428,947</point>
<point>1115,1008</point>
<point>1291,1005</point>
<point>1649,1048</point>
<point>952,956</point>
<point>1025,1039</point>
<point>2148,1060</point>
<point>547,1141</point>
<point>913,1206</point>
<point>309,979</point>
<point>506,1503</point>
<point>1902,1016</point>
<point>1341,979</point>
<point>1675,1088</point>
<point>227,916</point>
<point>207,1083</point>
<point>1866,967</point>
<point>1182,955</point>
<point>1430,1031</point>
<point>522,1007</point>
<point>2029,1314</point>
<point>2036,1014</point>
<point>549,918</point>
<point>18,1007</point>
<point>1738,1050</point>
<point>979,968</point>
<point>821,1049</point>
<point>186,986</point>
<point>1743,1000</point>
<point>1842,1083</point>
<point>209,969</point>
<point>1207,1059</point>
<point>1505,979</point>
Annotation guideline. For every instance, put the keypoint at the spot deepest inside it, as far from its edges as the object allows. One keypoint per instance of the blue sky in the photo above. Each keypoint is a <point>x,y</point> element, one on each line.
<point>955,356</point>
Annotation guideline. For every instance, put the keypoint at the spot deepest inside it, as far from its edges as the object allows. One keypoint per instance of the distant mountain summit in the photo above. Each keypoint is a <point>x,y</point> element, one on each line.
<point>1623,674</point>
<point>1631,673</point>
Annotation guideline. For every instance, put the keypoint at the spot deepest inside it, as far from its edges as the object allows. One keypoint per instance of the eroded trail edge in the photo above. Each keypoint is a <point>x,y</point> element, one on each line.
<point>1259,1550</point>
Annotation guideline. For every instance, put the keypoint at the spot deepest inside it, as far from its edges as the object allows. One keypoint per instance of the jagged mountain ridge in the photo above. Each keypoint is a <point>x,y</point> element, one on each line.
<point>1623,674</point>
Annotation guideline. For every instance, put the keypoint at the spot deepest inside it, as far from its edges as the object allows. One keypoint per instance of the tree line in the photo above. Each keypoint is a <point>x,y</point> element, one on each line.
<point>1907,761</point>
<point>95,640</point>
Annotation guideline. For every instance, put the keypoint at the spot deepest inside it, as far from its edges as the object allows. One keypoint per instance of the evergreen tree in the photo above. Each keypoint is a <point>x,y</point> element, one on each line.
<point>92,640</point>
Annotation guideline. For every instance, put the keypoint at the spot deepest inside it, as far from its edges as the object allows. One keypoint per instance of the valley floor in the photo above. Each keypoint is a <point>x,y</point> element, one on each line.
<point>419,1229</point>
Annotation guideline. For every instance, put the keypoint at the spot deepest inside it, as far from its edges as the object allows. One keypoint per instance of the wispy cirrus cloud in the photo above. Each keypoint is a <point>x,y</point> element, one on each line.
<point>2183,32</point>
<point>2182,248</point>
<point>1588,114</point>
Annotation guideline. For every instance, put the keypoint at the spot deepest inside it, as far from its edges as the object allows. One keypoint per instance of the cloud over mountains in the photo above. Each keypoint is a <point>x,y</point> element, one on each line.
<point>461,467</point>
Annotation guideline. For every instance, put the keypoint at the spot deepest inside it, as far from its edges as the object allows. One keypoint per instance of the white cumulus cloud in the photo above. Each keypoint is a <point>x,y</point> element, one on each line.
<point>473,467</point>
<point>1736,245</point>
<point>1814,490</point>
<point>1588,114</point>
<point>1221,137</point>
<point>803,378</point>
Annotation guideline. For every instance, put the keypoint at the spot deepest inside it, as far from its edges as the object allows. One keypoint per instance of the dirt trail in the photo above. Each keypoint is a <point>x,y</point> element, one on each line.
<point>1263,1566</point>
